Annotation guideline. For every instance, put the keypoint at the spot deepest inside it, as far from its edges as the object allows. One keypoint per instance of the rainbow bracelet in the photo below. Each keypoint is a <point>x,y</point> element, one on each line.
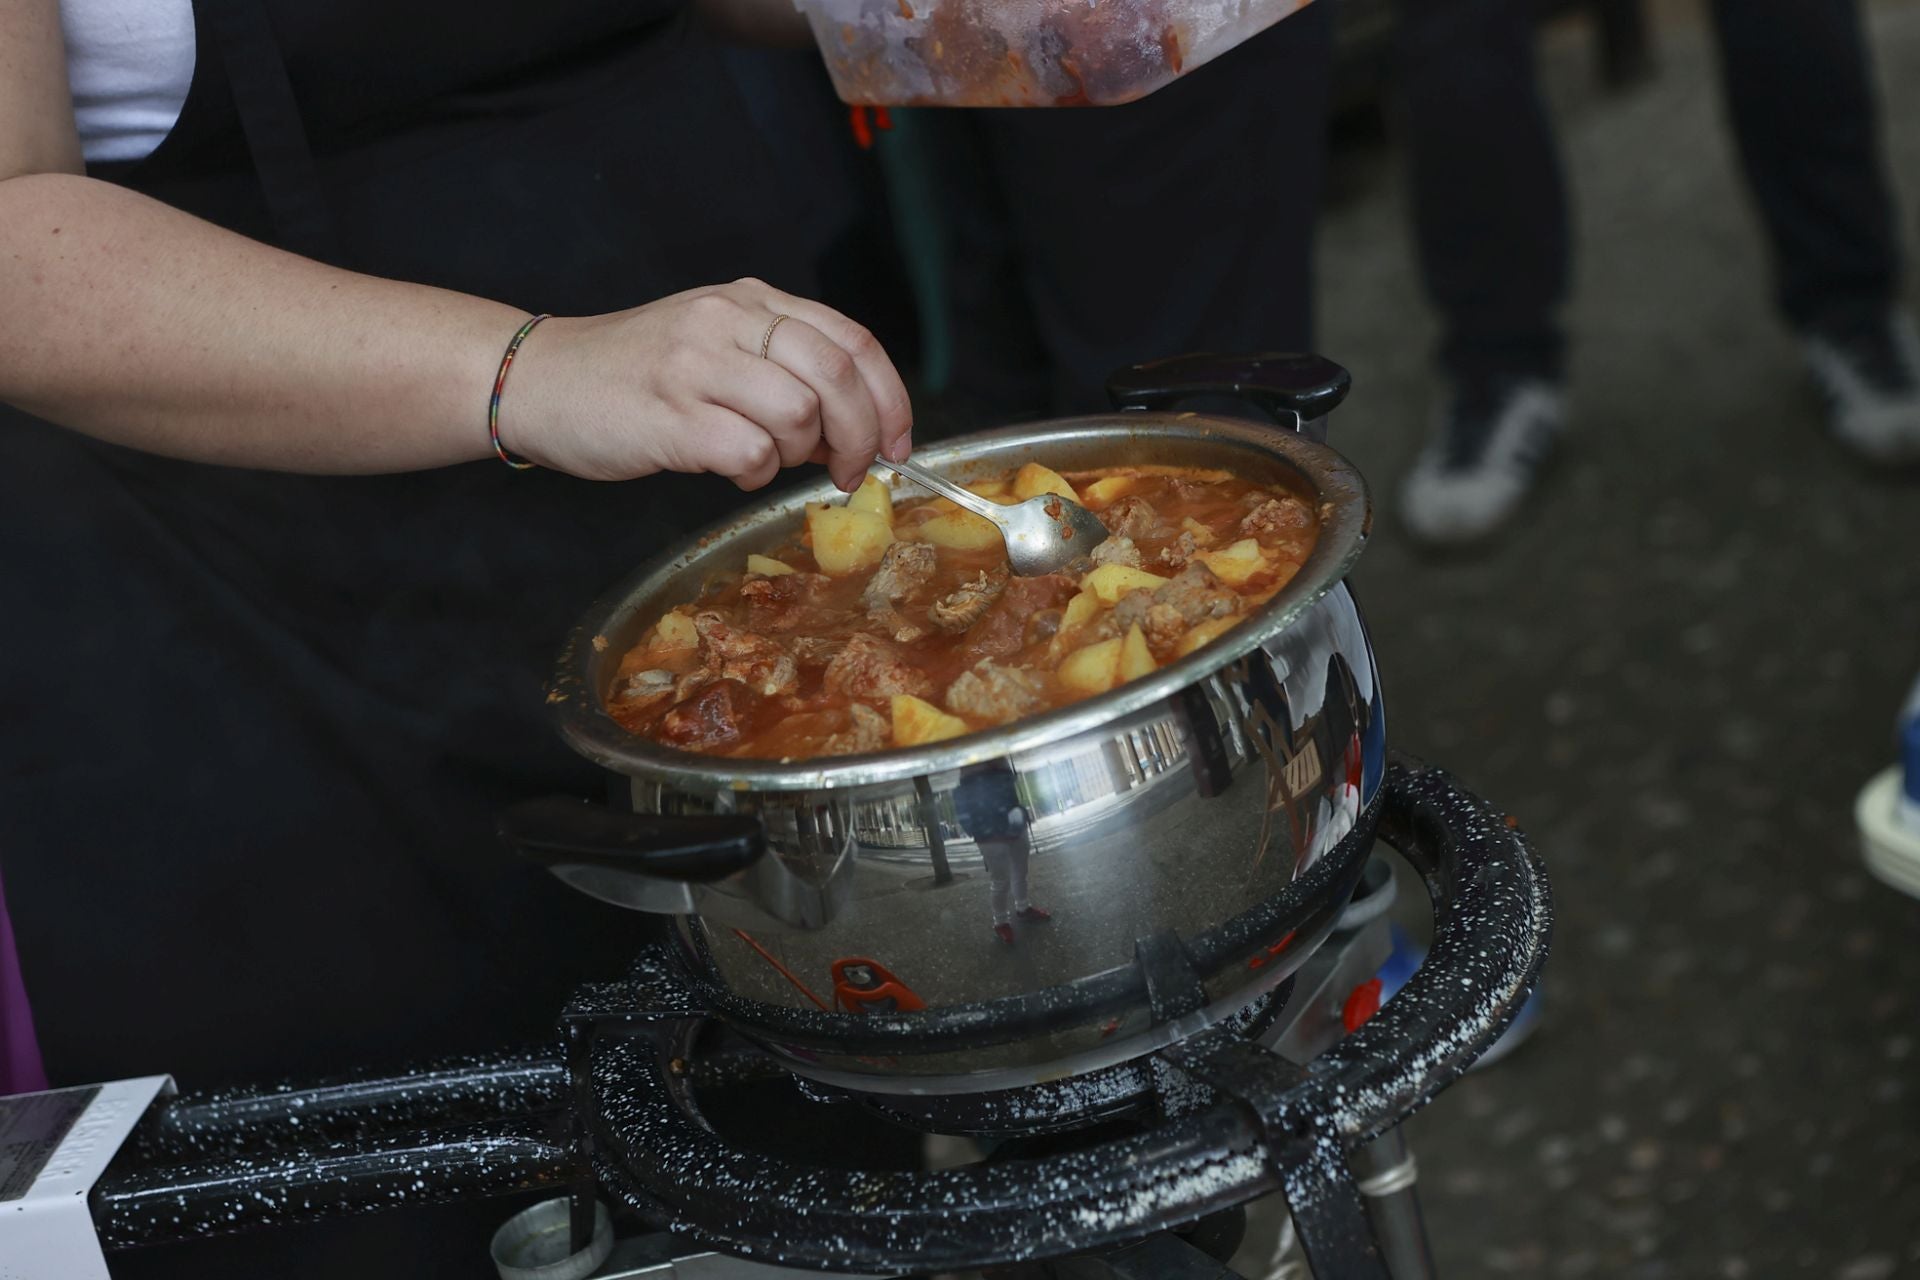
<point>499,384</point>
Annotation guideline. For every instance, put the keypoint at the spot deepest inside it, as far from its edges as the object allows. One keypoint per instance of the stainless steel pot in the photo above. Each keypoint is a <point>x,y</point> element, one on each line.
<point>1190,836</point>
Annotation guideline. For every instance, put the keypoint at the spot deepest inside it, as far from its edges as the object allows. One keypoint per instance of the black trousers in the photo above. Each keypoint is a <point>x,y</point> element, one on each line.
<point>1082,240</point>
<point>1489,201</point>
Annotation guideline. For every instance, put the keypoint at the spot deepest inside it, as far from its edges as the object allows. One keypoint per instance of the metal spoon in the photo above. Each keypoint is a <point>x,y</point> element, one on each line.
<point>1043,534</point>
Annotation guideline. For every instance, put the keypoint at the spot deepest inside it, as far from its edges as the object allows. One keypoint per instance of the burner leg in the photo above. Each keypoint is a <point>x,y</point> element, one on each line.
<point>1328,1214</point>
<point>1387,1176</point>
<point>580,1197</point>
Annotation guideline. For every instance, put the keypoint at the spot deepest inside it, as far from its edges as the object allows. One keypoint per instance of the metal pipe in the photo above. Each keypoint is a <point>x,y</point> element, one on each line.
<point>239,1193</point>
<point>1387,1176</point>
<point>452,1091</point>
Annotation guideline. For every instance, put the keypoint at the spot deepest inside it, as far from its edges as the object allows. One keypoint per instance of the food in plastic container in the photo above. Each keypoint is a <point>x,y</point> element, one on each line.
<point>1024,53</point>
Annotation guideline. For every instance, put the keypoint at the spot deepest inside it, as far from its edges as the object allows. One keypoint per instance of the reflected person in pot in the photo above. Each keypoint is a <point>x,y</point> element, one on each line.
<point>281,592</point>
<point>987,802</point>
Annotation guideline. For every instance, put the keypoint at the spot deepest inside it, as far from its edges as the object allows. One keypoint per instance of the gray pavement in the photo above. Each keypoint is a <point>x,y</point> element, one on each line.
<point>1677,674</point>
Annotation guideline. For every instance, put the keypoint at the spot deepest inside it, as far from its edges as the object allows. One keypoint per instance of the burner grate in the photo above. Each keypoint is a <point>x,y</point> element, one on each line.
<point>1232,1120</point>
<point>1152,1147</point>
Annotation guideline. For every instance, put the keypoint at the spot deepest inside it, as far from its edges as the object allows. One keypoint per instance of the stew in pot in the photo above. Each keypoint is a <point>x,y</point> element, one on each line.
<point>883,626</point>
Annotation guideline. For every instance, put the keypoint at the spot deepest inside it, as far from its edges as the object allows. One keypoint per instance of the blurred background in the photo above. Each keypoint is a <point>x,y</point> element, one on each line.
<point>1677,671</point>
<point>1676,661</point>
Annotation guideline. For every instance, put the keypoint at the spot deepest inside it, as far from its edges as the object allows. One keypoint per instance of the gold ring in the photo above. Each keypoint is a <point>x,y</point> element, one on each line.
<point>766,339</point>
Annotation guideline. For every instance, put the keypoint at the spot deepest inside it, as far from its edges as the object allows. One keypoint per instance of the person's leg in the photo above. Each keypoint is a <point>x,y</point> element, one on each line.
<point>994,852</point>
<point>1180,222</point>
<point>1487,196</point>
<point>1017,849</point>
<point>1490,217</point>
<point>1800,96</point>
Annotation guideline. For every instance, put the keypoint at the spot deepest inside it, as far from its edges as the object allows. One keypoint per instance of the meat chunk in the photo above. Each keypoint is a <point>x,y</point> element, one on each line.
<point>817,651</point>
<point>1278,518</point>
<point>867,730</point>
<point>904,569</point>
<point>961,609</point>
<point>894,623</point>
<point>1044,625</point>
<point>1177,553</point>
<point>761,664</point>
<point>644,687</point>
<point>872,668</point>
<point>1166,612</point>
<point>790,602</point>
<point>709,721</point>
<point>1131,517</point>
<point>994,693</point>
<point>1118,549</point>
<point>1003,628</point>
<point>1197,594</point>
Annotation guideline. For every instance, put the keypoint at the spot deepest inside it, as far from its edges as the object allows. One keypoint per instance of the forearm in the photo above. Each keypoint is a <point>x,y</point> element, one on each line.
<point>138,324</point>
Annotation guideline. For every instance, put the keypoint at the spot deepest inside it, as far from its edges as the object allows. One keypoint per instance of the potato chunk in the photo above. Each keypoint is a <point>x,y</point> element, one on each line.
<point>960,530</point>
<point>847,541</point>
<point>1236,563</point>
<point>767,566</point>
<point>1105,491</point>
<point>873,496</point>
<point>1204,632</point>
<point>1094,669</point>
<point>1201,534</point>
<point>1136,659</point>
<point>1080,610</point>
<point>673,633</point>
<point>1111,581</point>
<point>1034,480</point>
<point>916,720</point>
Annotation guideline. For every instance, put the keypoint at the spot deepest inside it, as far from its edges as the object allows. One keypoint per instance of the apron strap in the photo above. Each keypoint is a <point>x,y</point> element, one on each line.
<point>275,133</point>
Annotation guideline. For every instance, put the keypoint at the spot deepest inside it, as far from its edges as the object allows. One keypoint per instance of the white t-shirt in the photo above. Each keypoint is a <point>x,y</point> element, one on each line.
<point>129,63</point>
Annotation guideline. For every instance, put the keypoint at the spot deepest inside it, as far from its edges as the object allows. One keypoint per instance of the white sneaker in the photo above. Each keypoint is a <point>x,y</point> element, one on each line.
<point>1488,444</point>
<point>1888,810</point>
<point>1869,371</point>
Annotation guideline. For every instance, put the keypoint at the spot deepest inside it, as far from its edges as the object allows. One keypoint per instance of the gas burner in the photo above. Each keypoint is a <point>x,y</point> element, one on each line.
<point>1138,1169</point>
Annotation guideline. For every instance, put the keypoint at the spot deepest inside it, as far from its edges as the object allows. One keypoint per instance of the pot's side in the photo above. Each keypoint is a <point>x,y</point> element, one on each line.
<point>1176,819</point>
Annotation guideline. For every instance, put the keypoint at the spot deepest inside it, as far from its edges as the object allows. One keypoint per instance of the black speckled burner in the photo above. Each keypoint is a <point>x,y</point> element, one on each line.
<point>655,1102</point>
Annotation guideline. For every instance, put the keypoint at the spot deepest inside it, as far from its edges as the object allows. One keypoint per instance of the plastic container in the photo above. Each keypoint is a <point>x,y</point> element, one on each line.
<point>1024,53</point>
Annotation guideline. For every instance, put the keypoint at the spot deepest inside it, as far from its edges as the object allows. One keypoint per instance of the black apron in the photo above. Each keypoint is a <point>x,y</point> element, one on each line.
<point>253,726</point>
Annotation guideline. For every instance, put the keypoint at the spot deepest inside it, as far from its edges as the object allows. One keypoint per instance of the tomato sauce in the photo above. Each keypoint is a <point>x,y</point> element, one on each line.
<point>879,626</point>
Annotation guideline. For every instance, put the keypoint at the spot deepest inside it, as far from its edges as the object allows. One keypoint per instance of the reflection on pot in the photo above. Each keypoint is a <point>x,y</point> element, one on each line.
<point>861,985</point>
<point>988,804</point>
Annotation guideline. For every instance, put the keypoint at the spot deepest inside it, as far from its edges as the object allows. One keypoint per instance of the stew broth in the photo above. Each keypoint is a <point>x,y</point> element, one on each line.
<point>882,626</point>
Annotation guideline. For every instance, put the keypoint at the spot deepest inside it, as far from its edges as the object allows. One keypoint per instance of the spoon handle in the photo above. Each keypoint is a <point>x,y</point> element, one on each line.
<point>947,489</point>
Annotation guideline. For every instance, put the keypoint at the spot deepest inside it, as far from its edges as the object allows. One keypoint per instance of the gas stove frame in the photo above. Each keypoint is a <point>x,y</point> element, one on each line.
<point>1222,1120</point>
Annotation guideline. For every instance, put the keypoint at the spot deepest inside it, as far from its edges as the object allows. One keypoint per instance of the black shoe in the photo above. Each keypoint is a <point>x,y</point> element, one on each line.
<point>1868,368</point>
<point>1488,443</point>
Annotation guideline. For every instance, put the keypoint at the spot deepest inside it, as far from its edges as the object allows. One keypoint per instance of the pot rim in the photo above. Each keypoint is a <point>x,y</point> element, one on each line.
<point>578,709</point>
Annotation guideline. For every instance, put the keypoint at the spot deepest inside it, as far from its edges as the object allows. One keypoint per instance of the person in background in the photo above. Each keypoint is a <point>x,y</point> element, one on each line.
<point>1079,241</point>
<point>1490,219</point>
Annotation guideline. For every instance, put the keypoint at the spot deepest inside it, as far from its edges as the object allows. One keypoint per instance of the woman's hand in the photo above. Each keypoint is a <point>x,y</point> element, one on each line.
<point>679,385</point>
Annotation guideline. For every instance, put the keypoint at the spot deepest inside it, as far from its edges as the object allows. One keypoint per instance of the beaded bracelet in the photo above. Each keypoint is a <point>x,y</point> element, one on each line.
<point>499,383</point>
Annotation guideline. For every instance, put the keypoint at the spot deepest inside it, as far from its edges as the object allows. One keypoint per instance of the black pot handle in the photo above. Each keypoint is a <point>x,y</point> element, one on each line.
<point>1295,389</point>
<point>564,831</point>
